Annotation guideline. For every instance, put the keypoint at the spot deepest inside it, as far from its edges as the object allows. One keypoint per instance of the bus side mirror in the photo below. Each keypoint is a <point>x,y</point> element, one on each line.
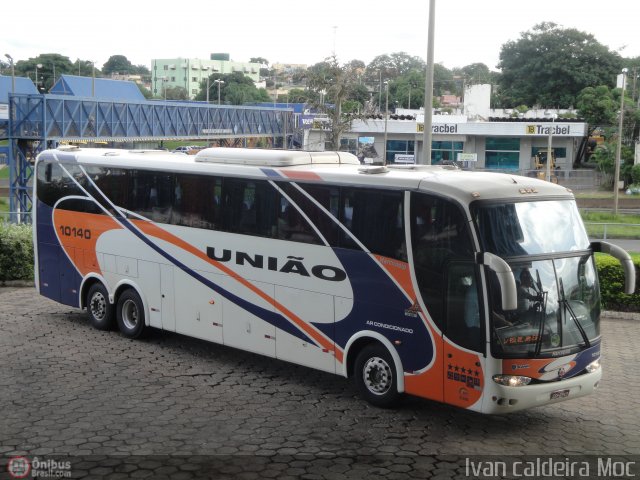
<point>624,259</point>
<point>508,289</point>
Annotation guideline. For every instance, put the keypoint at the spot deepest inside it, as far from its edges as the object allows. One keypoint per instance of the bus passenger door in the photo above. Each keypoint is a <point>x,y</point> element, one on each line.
<point>463,336</point>
<point>168,306</point>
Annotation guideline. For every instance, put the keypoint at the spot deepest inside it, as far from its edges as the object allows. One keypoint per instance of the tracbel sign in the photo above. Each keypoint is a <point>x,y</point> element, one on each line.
<point>540,129</point>
<point>440,127</point>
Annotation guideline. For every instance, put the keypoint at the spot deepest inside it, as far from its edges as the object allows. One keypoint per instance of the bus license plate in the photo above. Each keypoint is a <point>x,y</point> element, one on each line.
<point>559,394</point>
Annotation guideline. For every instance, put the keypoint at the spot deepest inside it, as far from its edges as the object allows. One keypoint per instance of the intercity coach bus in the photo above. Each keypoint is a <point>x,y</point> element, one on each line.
<point>475,289</point>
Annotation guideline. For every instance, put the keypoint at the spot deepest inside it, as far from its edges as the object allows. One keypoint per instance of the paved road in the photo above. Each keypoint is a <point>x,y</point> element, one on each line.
<point>632,246</point>
<point>173,407</point>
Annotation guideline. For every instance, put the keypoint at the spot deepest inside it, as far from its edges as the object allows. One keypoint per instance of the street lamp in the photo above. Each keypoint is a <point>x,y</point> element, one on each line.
<point>38,65</point>
<point>13,73</point>
<point>619,149</point>
<point>386,116</point>
<point>219,82</point>
<point>164,80</point>
<point>549,145</point>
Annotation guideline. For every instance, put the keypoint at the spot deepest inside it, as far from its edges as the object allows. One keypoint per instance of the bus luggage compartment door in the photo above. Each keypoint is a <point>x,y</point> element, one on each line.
<point>48,274</point>
<point>168,293</point>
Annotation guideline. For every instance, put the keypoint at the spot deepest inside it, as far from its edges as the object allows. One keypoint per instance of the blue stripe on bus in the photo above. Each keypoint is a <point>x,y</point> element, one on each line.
<point>273,318</point>
<point>379,305</point>
<point>270,172</point>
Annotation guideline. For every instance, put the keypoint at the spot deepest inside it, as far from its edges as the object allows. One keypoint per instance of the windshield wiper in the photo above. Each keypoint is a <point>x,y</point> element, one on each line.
<point>565,303</point>
<point>542,306</point>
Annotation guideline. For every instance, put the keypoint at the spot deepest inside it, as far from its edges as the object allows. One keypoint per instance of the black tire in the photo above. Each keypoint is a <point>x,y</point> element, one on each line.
<point>130,314</point>
<point>101,312</point>
<point>375,376</point>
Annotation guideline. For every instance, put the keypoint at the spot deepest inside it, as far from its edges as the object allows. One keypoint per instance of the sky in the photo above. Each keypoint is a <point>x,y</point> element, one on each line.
<point>287,31</point>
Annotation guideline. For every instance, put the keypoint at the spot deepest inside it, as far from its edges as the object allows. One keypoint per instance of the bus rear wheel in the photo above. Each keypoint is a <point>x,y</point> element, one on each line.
<point>101,312</point>
<point>130,314</point>
<point>375,376</point>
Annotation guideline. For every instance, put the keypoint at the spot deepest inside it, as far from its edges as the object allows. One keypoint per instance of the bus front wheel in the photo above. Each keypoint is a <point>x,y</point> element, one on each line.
<point>101,312</point>
<point>375,376</point>
<point>130,314</point>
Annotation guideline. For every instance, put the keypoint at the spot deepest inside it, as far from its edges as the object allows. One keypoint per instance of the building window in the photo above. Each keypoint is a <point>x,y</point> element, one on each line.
<point>399,147</point>
<point>173,79</point>
<point>502,153</point>
<point>349,145</point>
<point>194,79</point>
<point>166,67</point>
<point>445,151</point>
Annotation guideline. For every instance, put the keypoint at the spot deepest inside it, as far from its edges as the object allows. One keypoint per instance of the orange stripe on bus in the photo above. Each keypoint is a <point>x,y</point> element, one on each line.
<point>155,231</point>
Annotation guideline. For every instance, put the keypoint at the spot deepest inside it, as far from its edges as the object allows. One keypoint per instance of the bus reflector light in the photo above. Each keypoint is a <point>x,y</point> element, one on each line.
<point>511,380</point>
<point>593,366</point>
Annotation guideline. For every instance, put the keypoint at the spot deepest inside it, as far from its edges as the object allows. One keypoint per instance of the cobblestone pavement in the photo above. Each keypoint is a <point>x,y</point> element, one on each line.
<point>169,406</point>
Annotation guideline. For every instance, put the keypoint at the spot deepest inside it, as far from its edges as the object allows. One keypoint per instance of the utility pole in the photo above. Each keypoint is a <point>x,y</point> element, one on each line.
<point>427,135</point>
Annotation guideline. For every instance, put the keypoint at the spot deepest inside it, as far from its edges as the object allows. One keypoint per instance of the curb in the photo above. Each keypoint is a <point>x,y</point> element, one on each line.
<point>17,283</point>
<point>613,315</point>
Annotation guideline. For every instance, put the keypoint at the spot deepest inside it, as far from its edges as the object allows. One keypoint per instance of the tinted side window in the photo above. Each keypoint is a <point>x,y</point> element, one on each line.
<point>197,201</point>
<point>375,217</point>
<point>249,207</point>
<point>329,198</point>
<point>114,183</point>
<point>54,183</point>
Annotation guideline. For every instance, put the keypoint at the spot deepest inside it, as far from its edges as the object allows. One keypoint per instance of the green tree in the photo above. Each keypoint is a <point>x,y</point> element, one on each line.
<point>335,86</point>
<point>145,91</point>
<point>392,66</point>
<point>597,105</point>
<point>118,64</point>
<point>409,90</point>
<point>237,89</point>
<point>475,73</point>
<point>297,95</point>
<point>176,93</point>
<point>443,81</point>
<point>53,65</point>
<point>550,65</point>
<point>141,70</point>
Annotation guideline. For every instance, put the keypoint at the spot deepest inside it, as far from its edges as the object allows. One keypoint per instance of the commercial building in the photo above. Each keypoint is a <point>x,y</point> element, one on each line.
<point>188,73</point>
<point>499,140</point>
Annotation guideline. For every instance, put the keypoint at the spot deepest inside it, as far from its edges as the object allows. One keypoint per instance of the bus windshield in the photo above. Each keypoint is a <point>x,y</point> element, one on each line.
<point>558,301</point>
<point>530,228</point>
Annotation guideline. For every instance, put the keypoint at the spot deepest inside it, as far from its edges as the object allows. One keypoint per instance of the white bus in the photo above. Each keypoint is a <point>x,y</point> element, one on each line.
<point>470,288</point>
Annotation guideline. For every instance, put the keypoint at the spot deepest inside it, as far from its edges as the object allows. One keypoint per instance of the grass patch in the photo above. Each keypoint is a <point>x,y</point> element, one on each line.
<point>624,229</point>
<point>4,172</point>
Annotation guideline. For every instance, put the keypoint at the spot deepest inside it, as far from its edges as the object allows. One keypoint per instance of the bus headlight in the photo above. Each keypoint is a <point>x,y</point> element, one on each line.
<point>593,366</point>
<point>512,380</point>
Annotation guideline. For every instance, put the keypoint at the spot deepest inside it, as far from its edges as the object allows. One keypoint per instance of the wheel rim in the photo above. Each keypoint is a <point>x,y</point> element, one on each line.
<point>377,376</point>
<point>130,314</point>
<point>98,306</point>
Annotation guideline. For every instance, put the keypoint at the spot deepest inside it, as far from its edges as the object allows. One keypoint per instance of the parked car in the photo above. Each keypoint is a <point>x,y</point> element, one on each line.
<point>182,149</point>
